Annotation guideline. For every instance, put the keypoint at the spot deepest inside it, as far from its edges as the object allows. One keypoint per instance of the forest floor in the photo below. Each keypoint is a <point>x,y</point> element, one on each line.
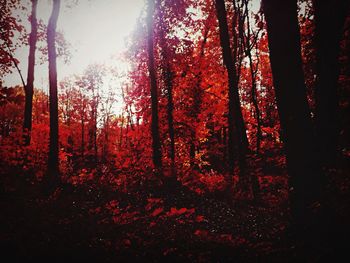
<point>86,223</point>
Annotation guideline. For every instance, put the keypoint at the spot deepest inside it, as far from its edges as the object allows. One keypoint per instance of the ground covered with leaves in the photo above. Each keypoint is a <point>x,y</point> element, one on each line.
<point>90,222</point>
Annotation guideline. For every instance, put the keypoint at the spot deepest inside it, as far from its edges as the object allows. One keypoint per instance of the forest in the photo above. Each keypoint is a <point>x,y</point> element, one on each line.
<point>226,138</point>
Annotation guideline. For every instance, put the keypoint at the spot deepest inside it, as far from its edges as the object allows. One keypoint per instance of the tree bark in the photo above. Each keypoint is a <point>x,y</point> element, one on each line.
<point>256,107</point>
<point>168,76</point>
<point>253,72</point>
<point>157,155</point>
<point>95,137</point>
<point>53,163</point>
<point>286,64</point>
<point>29,88</point>
<point>238,55</point>
<point>82,145</point>
<point>82,125</point>
<point>235,117</point>
<point>329,19</point>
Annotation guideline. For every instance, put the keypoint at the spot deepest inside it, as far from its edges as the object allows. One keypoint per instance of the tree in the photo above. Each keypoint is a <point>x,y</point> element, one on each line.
<point>285,56</point>
<point>329,23</point>
<point>107,103</point>
<point>29,88</point>
<point>92,81</point>
<point>9,27</point>
<point>80,106</point>
<point>11,103</point>
<point>13,36</point>
<point>157,155</point>
<point>53,162</point>
<point>250,44</point>
<point>238,51</point>
<point>168,77</point>
<point>235,117</point>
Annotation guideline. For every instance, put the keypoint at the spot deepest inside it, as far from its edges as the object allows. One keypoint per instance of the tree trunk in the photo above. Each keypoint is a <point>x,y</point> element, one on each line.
<point>286,64</point>
<point>253,72</point>
<point>82,147</point>
<point>168,76</point>
<point>29,88</point>
<point>95,137</point>
<point>53,163</point>
<point>121,131</point>
<point>257,110</point>
<point>235,117</point>
<point>82,125</point>
<point>329,19</point>
<point>157,155</point>
<point>238,52</point>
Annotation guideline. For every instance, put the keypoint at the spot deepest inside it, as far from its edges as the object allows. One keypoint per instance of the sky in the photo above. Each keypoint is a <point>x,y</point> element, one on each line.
<point>96,30</point>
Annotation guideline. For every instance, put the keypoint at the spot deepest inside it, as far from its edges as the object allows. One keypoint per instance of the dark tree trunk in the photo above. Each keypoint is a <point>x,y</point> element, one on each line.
<point>256,107</point>
<point>121,132</point>
<point>92,132</point>
<point>157,154</point>
<point>238,52</point>
<point>95,137</point>
<point>235,117</point>
<point>82,146</point>
<point>286,64</point>
<point>249,46</point>
<point>53,163</point>
<point>90,139</point>
<point>224,142</point>
<point>168,76</point>
<point>70,149</point>
<point>329,19</point>
<point>29,88</point>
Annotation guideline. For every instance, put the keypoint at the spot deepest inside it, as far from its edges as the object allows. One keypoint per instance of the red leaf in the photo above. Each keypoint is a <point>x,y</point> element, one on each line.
<point>157,211</point>
<point>199,218</point>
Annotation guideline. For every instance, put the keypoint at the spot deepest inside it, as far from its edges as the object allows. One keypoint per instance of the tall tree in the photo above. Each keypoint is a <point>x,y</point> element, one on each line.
<point>235,117</point>
<point>293,108</point>
<point>10,27</point>
<point>168,76</point>
<point>157,154</point>
<point>250,44</point>
<point>29,88</point>
<point>93,81</point>
<point>329,19</point>
<point>53,163</point>
<point>237,43</point>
